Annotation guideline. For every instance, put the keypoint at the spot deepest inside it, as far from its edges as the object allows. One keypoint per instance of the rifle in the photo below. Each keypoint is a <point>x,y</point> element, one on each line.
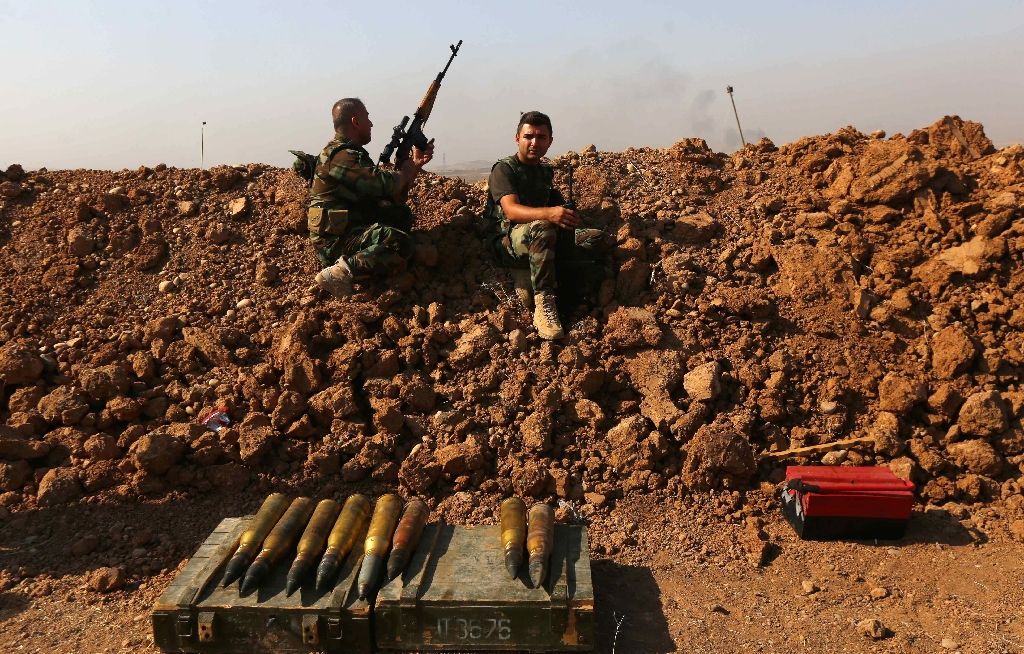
<point>570,203</point>
<point>404,139</point>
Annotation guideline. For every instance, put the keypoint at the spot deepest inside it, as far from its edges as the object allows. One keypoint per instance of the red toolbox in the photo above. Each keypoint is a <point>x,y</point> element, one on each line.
<point>825,502</point>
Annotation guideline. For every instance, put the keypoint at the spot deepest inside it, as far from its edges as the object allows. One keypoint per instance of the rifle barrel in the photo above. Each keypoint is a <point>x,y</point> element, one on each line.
<point>455,51</point>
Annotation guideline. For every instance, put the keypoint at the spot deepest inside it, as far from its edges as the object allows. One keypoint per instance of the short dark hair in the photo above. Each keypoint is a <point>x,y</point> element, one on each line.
<point>535,118</point>
<point>343,110</point>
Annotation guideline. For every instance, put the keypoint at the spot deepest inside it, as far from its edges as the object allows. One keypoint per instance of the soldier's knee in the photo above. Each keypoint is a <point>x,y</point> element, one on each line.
<point>394,236</point>
<point>542,228</point>
<point>543,235</point>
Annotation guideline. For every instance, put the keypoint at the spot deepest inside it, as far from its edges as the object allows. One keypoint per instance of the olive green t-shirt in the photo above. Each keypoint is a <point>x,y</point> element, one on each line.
<point>532,184</point>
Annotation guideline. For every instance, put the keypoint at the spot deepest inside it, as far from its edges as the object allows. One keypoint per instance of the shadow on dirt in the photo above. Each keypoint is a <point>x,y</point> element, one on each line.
<point>935,526</point>
<point>144,538</point>
<point>12,604</point>
<point>939,526</point>
<point>630,594</point>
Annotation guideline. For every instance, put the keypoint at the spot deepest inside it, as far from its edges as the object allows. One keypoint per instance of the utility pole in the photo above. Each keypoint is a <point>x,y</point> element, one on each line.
<point>728,89</point>
<point>202,145</point>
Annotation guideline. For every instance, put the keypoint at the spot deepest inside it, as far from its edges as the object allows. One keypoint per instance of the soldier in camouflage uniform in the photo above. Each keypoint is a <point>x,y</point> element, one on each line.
<point>529,224</point>
<point>357,219</point>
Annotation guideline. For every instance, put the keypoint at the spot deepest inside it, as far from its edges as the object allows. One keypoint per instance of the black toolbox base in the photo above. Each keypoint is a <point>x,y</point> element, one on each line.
<point>840,527</point>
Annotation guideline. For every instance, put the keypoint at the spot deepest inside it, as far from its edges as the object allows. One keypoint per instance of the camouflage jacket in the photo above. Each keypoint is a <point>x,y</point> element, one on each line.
<point>345,179</point>
<point>533,185</point>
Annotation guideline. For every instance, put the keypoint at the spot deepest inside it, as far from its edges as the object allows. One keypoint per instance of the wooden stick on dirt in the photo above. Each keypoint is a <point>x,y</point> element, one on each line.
<point>814,449</point>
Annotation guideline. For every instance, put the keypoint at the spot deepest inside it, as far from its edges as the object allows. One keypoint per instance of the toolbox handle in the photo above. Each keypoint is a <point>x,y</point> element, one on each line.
<point>799,485</point>
<point>183,626</point>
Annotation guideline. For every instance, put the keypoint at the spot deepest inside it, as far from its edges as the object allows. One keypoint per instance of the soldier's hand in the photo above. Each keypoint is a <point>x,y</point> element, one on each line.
<point>565,218</point>
<point>422,157</point>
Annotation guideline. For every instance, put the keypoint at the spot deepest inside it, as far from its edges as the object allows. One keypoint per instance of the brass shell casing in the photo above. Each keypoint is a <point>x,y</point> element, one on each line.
<point>407,535</point>
<point>378,540</point>
<point>312,543</point>
<point>540,538</point>
<point>315,536</point>
<point>513,524</point>
<point>287,530</point>
<point>262,523</point>
<point>382,524</point>
<point>280,541</point>
<point>540,534</point>
<point>252,538</point>
<point>513,533</point>
<point>349,525</point>
<point>409,528</point>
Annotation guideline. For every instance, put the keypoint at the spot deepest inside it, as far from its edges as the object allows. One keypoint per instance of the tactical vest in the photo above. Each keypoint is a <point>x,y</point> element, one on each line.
<point>533,191</point>
<point>332,208</point>
<point>325,192</point>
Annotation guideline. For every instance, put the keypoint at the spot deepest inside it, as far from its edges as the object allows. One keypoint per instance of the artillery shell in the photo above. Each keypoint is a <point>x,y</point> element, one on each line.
<point>513,533</point>
<point>280,540</point>
<point>540,538</point>
<point>407,536</point>
<point>378,539</point>
<point>354,516</point>
<point>252,538</point>
<point>311,543</point>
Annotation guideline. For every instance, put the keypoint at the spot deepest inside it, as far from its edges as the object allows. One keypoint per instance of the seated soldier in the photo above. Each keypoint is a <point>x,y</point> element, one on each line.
<point>357,218</point>
<point>530,224</point>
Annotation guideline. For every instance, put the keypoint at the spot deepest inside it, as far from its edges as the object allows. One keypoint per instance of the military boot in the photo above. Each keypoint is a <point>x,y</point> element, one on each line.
<point>336,279</point>
<point>545,316</point>
<point>524,287</point>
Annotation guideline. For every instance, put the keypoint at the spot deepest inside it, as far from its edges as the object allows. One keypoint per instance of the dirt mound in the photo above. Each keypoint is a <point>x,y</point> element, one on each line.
<point>837,286</point>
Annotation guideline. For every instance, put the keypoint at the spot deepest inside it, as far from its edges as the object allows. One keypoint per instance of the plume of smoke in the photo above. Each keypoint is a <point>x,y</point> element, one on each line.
<point>730,138</point>
<point>702,121</point>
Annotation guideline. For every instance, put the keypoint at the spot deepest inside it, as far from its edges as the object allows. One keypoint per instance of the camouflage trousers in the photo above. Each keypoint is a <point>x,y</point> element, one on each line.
<point>540,244</point>
<point>376,250</point>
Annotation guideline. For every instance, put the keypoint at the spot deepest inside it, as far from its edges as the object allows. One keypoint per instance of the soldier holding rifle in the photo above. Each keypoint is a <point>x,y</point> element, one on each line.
<point>357,218</point>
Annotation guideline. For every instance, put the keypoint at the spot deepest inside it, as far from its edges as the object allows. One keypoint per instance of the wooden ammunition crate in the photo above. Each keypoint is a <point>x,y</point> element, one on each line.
<point>456,595</point>
<point>195,614</point>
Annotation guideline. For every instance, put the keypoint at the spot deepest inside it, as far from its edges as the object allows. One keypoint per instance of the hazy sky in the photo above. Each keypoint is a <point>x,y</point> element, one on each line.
<point>107,84</point>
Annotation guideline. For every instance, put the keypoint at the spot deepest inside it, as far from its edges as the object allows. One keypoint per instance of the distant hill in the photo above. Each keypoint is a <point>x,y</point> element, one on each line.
<point>471,171</point>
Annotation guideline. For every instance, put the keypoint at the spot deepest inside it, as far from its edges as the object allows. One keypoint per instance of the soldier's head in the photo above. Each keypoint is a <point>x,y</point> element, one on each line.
<point>351,120</point>
<point>533,136</point>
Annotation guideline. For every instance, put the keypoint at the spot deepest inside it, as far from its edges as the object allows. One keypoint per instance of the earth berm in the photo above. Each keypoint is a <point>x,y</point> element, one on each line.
<point>839,286</point>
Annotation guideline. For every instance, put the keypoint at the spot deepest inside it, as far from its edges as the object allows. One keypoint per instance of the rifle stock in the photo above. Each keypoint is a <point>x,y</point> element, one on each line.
<point>427,103</point>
